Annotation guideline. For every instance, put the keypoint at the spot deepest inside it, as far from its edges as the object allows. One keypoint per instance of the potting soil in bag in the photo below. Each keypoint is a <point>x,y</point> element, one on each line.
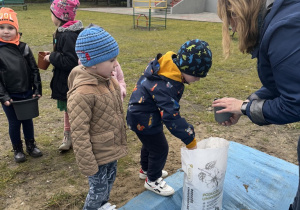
<point>204,173</point>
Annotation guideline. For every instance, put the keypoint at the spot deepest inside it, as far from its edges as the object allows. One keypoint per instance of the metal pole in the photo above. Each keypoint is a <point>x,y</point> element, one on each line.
<point>149,18</point>
<point>133,18</point>
<point>166,17</point>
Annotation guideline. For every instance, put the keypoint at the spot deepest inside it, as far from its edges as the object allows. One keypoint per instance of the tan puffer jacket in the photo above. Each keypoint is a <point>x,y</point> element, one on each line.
<point>97,120</point>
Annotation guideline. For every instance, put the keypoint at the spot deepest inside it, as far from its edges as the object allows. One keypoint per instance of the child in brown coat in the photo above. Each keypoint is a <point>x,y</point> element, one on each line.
<point>96,114</point>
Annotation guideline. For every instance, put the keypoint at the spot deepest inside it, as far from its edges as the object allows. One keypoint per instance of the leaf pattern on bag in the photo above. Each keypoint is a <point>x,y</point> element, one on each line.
<point>201,176</point>
<point>210,165</point>
<point>211,175</point>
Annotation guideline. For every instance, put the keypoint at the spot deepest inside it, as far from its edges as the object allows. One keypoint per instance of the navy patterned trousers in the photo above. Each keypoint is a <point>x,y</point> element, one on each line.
<point>100,186</point>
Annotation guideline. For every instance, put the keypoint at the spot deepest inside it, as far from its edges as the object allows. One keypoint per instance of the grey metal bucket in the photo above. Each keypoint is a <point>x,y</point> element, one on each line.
<point>221,117</point>
<point>26,109</point>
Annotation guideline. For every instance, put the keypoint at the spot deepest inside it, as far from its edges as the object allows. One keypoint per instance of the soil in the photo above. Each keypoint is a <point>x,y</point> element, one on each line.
<point>57,174</point>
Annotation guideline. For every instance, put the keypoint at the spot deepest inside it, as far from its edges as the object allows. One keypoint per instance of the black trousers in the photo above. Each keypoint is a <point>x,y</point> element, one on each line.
<point>154,154</point>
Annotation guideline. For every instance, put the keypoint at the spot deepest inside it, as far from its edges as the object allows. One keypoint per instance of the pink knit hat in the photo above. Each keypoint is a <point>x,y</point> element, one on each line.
<point>64,10</point>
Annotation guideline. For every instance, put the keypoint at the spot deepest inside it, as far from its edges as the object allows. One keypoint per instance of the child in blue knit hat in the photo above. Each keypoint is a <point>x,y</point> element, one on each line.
<point>155,100</point>
<point>96,114</point>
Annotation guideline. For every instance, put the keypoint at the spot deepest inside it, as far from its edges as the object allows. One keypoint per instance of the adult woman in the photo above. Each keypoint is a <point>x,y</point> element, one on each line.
<point>271,34</point>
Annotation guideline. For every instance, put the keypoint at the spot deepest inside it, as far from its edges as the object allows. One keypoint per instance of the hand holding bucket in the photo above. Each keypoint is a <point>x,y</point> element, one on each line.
<point>221,117</point>
<point>43,64</point>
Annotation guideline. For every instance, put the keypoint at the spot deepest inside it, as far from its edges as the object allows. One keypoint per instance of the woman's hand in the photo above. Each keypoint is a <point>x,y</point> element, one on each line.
<point>231,105</point>
<point>233,120</point>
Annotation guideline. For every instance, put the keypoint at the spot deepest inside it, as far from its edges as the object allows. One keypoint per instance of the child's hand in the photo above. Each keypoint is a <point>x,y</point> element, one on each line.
<point>36,95</point>
<point>195,147</point>
<point>7,103</point>
<point>113,74</point>
<point>123,94</point>
<point>47,58</point>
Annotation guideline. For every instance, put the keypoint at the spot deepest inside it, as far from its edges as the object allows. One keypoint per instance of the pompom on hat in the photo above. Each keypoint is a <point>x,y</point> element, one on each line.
<point>64,10</point>
<point>95,45</point>
<point>194,58</point>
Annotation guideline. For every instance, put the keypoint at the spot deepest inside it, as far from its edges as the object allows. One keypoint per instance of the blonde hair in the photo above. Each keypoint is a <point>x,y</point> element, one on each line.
<point>245,13</point>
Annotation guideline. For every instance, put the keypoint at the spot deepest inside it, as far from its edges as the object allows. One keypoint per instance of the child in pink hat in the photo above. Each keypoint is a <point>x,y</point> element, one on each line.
<point>63,58</point>
<point>64,10</point>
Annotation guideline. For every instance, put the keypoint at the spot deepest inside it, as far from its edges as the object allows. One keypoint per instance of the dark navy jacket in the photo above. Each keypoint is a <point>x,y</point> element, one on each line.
<point>278,66</point>
<point>155,100</point>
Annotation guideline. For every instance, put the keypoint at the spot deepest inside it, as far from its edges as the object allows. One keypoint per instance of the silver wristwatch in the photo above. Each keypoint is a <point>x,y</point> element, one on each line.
<point>244,107</point>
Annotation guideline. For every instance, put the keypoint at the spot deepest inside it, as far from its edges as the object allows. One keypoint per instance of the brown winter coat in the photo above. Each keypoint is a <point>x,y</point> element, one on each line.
<point>97,120</point>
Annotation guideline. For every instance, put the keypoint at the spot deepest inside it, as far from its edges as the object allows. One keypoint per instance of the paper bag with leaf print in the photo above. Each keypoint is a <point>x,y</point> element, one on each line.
<point>204,173</point>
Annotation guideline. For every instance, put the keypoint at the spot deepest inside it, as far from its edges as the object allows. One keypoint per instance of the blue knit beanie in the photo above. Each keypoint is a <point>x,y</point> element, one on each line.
<point>95,45</point>
<point>194,58</point>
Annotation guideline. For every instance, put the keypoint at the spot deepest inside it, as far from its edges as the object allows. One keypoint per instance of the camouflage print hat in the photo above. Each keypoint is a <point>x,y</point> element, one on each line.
<point>194,58</point>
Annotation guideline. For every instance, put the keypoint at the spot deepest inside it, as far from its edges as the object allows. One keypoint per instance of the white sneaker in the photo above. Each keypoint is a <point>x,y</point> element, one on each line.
<point>108,206</point>
<point>159,186</point>
<point>143,174</point>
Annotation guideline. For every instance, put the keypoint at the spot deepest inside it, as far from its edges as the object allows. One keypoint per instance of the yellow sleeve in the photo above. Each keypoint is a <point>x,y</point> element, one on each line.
<point>192,144</point>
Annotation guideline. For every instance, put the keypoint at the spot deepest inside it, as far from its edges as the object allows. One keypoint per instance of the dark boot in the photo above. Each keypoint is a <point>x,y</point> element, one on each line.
<point>31,148</point>
<point>19,153</point>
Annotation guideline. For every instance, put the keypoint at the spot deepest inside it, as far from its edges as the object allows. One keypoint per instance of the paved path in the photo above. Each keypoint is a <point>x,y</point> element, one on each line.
<point>205,16</point>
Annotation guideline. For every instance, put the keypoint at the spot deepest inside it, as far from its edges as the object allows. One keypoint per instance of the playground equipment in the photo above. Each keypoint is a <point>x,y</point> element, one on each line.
<point>149,14</point>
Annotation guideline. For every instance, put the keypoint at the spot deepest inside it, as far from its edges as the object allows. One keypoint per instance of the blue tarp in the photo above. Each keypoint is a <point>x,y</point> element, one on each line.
<point>254,181</point>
